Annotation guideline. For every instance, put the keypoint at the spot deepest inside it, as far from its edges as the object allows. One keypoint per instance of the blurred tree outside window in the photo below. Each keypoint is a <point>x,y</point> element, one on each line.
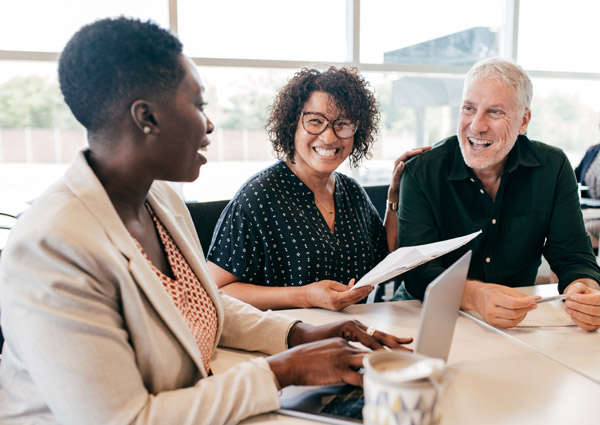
<point>414,61</point>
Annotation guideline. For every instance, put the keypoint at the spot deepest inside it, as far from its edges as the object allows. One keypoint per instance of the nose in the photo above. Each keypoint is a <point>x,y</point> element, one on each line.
<point>328,136</point>
<point>479,122</point>
<point>209,126</point>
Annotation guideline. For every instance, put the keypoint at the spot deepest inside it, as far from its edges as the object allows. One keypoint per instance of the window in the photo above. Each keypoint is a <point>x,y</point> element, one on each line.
<point>46,26</point>
<point>559,38</point>
<point>414,54</point>
<point>311,30</point>
<point>459,32</point>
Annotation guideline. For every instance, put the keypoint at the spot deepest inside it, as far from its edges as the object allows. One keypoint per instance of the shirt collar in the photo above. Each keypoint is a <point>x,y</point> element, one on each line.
<point>520,155</point>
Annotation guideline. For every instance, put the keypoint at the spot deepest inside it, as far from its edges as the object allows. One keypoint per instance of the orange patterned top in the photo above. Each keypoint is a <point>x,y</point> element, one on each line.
<point>188,294</point>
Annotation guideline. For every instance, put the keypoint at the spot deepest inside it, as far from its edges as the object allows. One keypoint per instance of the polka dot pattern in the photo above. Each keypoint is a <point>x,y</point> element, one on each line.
<point>188,294</point>
<point>272,232</point>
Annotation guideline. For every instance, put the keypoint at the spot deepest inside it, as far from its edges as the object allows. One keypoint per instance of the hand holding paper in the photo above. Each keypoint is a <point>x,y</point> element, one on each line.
<point>408,257</point>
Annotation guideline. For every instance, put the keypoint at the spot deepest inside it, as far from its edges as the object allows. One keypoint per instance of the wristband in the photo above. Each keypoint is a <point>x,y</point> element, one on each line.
<point>391,205</point>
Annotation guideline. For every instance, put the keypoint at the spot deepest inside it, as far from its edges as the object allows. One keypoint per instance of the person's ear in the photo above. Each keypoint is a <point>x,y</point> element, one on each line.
<point>142,114</point>
<point>525,121</point>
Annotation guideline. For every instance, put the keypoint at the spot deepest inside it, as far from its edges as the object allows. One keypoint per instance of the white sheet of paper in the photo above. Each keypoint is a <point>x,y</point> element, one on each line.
<point>548,314</point>
<point>409,257</point>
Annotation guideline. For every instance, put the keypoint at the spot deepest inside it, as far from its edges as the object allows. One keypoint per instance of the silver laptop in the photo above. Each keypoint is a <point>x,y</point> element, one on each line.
<point>342,404</point>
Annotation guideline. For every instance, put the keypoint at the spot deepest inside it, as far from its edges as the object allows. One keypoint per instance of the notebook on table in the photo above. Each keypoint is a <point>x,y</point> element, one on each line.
<point>342,404</point>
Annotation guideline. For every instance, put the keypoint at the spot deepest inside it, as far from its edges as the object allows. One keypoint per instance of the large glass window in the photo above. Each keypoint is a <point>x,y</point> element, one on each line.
<point>311,30</point>
<point>559,36</point>
<point>46,26</point>
<point>457,32</point>
<point>414,54</point>
<point>565,114</point>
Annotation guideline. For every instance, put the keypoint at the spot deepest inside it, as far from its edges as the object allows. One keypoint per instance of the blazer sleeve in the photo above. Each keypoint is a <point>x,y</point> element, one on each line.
<point>69,345</point>
<point>248,328</point>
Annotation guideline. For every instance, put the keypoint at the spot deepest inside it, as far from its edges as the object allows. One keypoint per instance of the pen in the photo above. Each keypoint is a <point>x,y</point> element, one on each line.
<point>555,297</point>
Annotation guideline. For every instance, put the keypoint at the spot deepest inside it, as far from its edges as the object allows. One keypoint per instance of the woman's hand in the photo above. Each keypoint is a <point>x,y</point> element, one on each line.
<point>350,330</point>
<point>323,354</point>
<point>332,295</point>
<point>318,363</point>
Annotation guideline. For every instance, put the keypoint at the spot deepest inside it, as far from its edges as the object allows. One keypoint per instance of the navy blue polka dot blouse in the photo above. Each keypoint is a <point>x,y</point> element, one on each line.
<point>273,234</point>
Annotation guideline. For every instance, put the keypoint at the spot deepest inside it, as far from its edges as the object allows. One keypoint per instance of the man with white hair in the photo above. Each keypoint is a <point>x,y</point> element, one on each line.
<point>521,193</point>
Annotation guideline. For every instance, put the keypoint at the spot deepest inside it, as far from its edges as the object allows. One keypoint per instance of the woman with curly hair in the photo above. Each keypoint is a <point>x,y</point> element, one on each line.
<point>109,312</point>
<point>298,234</point>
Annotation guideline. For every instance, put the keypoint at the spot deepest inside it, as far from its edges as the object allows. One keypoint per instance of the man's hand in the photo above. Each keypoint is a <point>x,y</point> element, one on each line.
<point>583,304</point>
<point>332,295</point>
<point>499,305</point>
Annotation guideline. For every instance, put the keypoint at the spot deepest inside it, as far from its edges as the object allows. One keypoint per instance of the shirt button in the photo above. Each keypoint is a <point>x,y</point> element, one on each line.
<point>488,259</point>
<point>481,190</point>
<point>493,221</point>
<point>472,180</point>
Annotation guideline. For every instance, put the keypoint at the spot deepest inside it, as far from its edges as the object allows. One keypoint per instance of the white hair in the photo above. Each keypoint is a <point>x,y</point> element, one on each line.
<point>511,74</point>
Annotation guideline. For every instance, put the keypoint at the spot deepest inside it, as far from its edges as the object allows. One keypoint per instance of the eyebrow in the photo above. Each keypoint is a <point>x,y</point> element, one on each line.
<point>492,106</point>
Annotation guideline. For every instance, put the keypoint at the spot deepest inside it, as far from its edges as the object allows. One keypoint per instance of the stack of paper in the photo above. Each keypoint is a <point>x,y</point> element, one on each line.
<point>409,257</point>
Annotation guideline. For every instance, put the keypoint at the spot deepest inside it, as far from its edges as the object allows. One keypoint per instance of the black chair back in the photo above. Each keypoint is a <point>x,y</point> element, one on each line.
<point>205,216</point>
<point>378,196</point>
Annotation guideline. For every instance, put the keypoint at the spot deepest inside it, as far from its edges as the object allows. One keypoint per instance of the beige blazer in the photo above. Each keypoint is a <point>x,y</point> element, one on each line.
<point>92,336</point>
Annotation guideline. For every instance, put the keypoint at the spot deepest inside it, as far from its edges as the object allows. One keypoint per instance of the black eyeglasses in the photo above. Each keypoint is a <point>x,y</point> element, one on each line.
<point>315,123</point>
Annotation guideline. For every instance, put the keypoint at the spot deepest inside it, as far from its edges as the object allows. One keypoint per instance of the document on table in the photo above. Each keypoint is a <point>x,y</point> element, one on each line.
<point>409,257</point>
<point>548,314</point>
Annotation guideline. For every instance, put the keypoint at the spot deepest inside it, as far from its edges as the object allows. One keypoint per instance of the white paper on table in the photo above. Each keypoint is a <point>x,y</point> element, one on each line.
<point>549,314</point>
<point>408,257</point>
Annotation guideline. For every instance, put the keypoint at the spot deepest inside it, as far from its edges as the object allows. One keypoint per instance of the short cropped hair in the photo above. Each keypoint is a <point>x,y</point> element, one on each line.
<point>509,72</point>
<point>351,95</point>
<point>110,63</point>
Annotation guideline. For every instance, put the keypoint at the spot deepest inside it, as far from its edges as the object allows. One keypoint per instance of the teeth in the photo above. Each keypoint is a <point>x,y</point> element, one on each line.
<point>480,142</point>
<point>325,152</point>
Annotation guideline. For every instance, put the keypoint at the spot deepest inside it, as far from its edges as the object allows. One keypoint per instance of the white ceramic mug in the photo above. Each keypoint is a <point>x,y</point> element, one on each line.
<point>399,389</point>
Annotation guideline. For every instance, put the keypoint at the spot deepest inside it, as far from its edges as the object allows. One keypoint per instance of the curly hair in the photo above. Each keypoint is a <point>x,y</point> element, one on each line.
<point>352,96</point>
<point>110,63</point>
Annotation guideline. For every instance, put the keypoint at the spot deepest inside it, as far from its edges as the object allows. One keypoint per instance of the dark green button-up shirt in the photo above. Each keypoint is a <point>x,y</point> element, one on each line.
<point>536,212</point>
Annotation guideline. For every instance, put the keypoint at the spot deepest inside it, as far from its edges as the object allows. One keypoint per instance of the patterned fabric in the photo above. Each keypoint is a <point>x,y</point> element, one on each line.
<point>273,234</point>
<point>188,294</point>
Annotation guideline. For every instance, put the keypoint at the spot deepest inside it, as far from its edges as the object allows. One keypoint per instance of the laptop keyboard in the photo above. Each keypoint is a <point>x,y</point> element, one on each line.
<point>348,403</point>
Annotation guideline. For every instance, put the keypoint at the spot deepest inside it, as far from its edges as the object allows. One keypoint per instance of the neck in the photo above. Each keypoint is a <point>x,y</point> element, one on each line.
<point>323,185</point>
<point>490,178</point>
<point>126,188</point>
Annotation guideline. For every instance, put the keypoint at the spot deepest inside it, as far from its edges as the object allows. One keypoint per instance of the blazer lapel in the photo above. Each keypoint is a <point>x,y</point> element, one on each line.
<point>189,246</point>
<point>85,185</point>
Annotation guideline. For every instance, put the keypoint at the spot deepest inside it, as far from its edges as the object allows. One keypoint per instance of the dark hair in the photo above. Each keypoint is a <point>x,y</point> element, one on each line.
<point>350,92</point>
<point>110,63</point>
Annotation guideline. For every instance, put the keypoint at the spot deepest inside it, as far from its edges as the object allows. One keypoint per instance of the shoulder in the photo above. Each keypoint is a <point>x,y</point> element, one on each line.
<point>58,229</point>
<point>351,188</point>
<point>545,153</point>
<point>440,157</point>
<point>349,183</point>
<point>57,212</point>
<point>168,197</point>
<point>262,183</point>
